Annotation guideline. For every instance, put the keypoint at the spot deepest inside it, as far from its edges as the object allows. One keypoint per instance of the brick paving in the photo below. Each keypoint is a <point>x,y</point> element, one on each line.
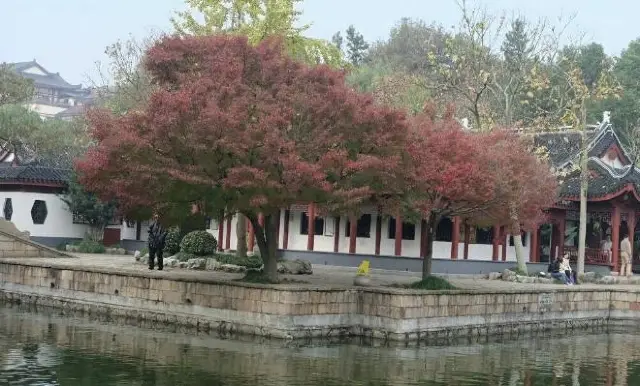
<point>323,276</point>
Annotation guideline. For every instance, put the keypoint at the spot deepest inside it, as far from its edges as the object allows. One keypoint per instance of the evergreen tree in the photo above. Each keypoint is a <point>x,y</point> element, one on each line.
<point>337,40</point>
<point>356,46</point>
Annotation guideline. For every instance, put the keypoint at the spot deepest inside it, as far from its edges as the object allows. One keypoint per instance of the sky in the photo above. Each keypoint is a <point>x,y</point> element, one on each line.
<point>70,36</point>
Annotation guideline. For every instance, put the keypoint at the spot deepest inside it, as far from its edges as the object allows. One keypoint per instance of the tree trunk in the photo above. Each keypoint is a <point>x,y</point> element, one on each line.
<point>431,223</point>
<point>241,232</point>
<point>96,233</point>
<point>584,187</point>
<point>267,243</point>
<point>516,232</point>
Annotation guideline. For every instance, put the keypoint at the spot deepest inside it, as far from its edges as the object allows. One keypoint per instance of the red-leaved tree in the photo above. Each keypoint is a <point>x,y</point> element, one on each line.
<point>481,177</point>
<point>245,129</point>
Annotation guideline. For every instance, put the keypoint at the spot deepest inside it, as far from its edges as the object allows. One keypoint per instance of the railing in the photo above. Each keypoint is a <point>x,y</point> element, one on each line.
<point>593,256</point>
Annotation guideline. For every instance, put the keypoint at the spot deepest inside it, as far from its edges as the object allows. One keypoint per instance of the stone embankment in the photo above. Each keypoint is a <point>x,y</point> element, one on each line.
<point>301,311</point>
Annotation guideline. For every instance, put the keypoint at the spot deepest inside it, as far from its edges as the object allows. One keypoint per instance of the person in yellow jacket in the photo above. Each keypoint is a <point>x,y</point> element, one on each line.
<point>626,252</point>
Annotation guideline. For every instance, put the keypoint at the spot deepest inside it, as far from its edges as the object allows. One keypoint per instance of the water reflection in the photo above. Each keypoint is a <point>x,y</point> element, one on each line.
<point>46,349</point>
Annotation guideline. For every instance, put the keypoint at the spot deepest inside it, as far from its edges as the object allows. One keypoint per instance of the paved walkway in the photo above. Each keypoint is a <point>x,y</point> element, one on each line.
<point>322,275</point>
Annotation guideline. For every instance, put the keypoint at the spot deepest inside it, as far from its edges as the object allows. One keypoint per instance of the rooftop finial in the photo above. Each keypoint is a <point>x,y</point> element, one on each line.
<point>606,117</point>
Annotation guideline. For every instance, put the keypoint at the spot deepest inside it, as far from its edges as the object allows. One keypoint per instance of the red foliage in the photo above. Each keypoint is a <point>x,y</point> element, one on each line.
<point>481,177</point>
<point>245,128</point>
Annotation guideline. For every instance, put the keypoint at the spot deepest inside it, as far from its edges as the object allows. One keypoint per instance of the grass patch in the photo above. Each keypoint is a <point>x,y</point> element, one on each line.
<point>259,278</point>
<point>431,283</point>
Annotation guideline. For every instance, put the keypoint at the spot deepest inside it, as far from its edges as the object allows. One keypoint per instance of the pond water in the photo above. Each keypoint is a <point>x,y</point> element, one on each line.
<point>50,349</point>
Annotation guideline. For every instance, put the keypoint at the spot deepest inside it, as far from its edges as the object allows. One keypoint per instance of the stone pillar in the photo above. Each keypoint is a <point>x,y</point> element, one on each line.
<point>227,241</point>
<point>353,228</point>
<point>285,231</point>
<point>378,234</point>
<point>615,237</point>
<point>398,240</point>
<point>221,233</point>
<point>311,228</point>
<point>562,223</point>
<point>467,240</point>
<point>533,246</point>
<point>496,243</point>
<point>455,237</point>
<point>504,242</point>
<point>336,235</point>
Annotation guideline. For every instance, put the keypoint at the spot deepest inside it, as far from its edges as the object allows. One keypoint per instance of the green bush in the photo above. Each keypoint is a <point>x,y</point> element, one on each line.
<point>144,251</point>
<point>172,242</point>
<point>249,261</point>
<point>199,243</point>
<point>88,246</point>
<point>432,283</point>
<point>185,256</point>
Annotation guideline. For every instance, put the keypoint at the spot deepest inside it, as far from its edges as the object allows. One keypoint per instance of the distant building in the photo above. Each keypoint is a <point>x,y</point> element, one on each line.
<point>54,97</point>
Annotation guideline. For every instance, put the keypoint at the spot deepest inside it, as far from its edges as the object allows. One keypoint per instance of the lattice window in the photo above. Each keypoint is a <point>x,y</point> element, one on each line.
<point>8,209</point>
<point>39,212</point>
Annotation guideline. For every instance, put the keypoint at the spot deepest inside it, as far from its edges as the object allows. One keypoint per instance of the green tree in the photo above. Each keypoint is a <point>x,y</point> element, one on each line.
<point>87,208</point>
<point>626,110</point>
<point>337,40</point>
<point>257,19</point>
<point>14,88</point>
<point>356,46</point>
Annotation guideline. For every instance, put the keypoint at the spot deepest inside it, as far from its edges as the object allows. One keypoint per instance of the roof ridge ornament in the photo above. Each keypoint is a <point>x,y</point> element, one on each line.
<point>606,117</point>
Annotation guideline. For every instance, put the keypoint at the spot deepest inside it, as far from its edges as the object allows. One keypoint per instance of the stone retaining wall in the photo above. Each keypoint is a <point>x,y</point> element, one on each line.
<point>294,311</point>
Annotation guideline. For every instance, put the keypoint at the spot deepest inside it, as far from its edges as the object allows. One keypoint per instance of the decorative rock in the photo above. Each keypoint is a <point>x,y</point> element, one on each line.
<point>71,248</point>
<point>232,268</point>
<point>607,280</point>
<point>115,251</point>
<point>212,265</point>
<point>525,279</point>
<point>494,275</point>
<point>508,275</point>
<point>136,255</point>
<point>171,262</point>
<point>295,267</point>
<point>544,280</point>
<point>362,280</point>
<point>198,264</point>
<point>182,264</point>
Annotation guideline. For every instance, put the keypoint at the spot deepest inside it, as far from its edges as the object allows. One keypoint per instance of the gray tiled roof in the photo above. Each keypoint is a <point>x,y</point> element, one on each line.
<point>50,79</point>
<point>33,174</point>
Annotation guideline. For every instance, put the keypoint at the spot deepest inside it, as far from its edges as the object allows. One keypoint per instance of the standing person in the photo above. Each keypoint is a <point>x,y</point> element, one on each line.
<point>625,256</point>
<point>606,248</point>
<point>157,237</point>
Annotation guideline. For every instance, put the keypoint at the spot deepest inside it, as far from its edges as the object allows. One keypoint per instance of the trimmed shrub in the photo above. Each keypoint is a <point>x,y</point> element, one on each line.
<point>172,242</point>
<point>185,256</point>
<point>89,246</point>
<point>199,243</point>
<point>249,261</point>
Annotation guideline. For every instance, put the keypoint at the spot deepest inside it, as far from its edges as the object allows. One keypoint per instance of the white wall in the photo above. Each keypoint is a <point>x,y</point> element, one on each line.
<point>46,111</point>
<point>58,223</point>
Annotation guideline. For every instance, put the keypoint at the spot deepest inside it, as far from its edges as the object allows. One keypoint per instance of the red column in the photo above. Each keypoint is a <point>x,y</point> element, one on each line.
<point>221,233</point>
<point>311,218</point>
<point>352,234</point>
<point>251,237</point>
<point>455,238</point>
<point>378,233</point>
<point>423,235</point>
<point>398,246</point>
<point>533,246</point>
<point>496,243</point>
<point>562,224</point>
<point>615,237</point>
<point>285,231</point>
<point>503,242</point>
<point>467,240</point>
<point>227,241</point>
<point>336,235</point>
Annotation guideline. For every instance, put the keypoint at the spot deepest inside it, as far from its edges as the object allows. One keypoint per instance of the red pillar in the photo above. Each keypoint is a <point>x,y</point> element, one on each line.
<point>336,235</point>
<point>496,243</point>
<point>467,240</point>
<point>378,233</point>
<point>533,246</point>
<point>615,237</point>
<point>221,233</point>
<point>561,233</point>
<point>423,235</point>
<point>227,241</point>
<point>285,231</point>
<point>503,242</point>
<point>311,218</point>
<point>251,237</point>
<point>455,238</point>
<point>398,246</point>
<point>352,234</point>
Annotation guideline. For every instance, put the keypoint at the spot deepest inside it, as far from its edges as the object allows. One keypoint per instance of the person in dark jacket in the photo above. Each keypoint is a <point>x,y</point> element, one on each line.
<point>156,242</point>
